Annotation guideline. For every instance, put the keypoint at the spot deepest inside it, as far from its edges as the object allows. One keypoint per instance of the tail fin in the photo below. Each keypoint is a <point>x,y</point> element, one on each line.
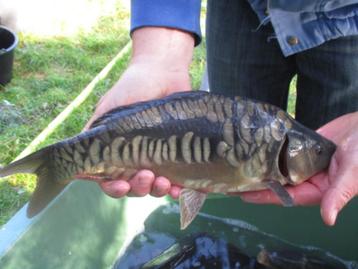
<point>47,188</point>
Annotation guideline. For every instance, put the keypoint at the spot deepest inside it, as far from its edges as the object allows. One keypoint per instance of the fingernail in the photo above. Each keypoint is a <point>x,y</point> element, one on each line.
<point>333,216</point>
<point>116,189</point>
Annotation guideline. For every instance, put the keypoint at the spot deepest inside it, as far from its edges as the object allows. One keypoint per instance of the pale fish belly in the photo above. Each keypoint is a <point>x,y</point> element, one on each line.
<point>216,177</point>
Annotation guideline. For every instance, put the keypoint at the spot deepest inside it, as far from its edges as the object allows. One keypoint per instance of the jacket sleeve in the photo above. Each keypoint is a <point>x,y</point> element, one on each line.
<point>179,14</point>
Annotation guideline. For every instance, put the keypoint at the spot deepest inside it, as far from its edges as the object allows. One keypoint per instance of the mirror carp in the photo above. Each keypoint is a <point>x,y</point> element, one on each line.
<point>203,142</point>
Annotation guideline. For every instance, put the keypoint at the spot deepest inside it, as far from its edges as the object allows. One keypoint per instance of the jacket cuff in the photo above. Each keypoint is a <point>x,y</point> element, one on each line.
<point>179,14</point>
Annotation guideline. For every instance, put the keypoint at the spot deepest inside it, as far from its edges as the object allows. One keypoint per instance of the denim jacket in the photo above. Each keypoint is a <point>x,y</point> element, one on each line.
<point>298,24</point>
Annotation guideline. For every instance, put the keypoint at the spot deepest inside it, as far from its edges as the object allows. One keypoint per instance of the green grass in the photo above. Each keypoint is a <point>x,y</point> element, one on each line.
<point>291,105</point>
<point>198,65</point>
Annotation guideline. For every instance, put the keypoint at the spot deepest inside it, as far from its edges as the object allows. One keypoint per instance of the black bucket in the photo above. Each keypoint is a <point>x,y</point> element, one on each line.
<point>8,43</point>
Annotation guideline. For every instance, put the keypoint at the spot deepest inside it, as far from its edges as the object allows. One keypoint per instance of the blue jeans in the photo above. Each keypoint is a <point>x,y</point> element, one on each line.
<point>242,61</point>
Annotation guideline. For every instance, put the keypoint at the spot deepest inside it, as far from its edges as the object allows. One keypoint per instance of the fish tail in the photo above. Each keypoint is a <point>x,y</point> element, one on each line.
<point>48,186</point>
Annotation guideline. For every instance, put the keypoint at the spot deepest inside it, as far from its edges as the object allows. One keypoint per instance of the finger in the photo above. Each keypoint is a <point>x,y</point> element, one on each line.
<point>161,187</point>
<point>259,197</point>
<point>303,194</point>
<point>104,105</point>
<point>141,183</point>
<point>337,128</point>
<point>89,123</point>
<point>175,191</point>
<point>115,188</point>
<point>339,194</point>
<point>337,124</point>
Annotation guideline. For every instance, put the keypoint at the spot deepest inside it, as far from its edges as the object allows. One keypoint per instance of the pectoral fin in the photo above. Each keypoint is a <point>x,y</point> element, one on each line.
<point>281,192</point>
<point>190,202</point>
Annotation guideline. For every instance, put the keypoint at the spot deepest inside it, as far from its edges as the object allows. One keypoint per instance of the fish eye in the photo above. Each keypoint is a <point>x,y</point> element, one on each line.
<point>318,149</point>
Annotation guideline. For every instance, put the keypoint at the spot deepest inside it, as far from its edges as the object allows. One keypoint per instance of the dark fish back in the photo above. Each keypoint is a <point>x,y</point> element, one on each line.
<point>192,127</point>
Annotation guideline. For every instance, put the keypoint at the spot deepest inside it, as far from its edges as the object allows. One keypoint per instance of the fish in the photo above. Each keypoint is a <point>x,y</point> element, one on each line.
<point>203,142</point>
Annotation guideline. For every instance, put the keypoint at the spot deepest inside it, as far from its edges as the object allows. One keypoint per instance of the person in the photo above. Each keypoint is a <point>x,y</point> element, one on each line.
<point>253,49</point>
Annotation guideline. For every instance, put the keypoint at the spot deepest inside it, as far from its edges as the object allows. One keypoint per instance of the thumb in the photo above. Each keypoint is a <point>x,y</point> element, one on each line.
<point>104,105</point>
<point>342,190</point>
<point>97,114</point>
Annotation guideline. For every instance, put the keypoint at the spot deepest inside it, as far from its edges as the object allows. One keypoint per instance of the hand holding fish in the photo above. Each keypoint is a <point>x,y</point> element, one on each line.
<point>334,188</point>
<point>207,143</point>
<point>151,74</point>
<point>201,141</point>
<point>129,89</point>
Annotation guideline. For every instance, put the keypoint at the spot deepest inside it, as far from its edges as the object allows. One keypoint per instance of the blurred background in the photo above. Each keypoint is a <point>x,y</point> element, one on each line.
<point>53,18</point>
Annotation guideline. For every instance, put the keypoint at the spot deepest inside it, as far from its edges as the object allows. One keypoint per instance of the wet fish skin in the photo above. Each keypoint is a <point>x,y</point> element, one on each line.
<point>200,141</point>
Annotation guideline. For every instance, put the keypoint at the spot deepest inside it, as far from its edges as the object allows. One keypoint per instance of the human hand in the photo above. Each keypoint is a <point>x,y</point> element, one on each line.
<point>334,188</point>
<point>159,67</point>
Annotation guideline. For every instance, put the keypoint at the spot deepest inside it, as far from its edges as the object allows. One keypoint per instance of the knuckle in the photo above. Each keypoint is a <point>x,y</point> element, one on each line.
<point>346,195</point>
<point>341,195</point>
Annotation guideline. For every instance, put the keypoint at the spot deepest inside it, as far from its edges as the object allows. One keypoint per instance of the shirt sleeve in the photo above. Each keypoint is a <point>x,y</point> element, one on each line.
<point>179,14</point>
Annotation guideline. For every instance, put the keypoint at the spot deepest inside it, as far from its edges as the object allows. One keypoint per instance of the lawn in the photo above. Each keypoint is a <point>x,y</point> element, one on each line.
<point>48,74</point>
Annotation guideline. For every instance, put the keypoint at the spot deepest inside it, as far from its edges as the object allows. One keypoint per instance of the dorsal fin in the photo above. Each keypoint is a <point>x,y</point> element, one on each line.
<point>102,120</point>
<point>140,106</point>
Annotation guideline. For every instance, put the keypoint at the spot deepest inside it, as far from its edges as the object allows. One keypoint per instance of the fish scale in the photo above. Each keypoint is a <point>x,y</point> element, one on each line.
<point>200,141</point>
